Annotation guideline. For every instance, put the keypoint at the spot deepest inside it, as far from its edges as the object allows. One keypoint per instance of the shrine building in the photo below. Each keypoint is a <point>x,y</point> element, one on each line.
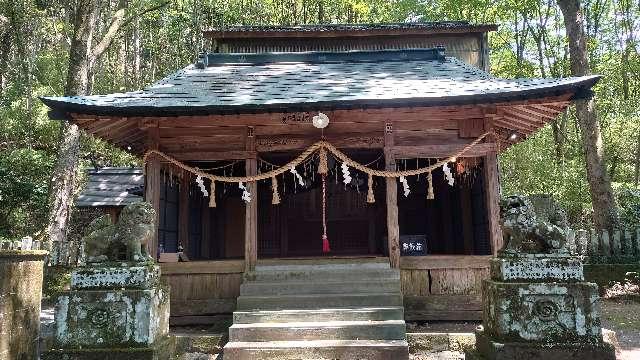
<point>311,147</point>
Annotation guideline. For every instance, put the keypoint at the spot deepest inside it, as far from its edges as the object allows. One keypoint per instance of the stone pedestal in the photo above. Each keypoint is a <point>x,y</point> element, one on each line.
<point>20,297</point>
<point>113,309</point>
<point>538,306</point>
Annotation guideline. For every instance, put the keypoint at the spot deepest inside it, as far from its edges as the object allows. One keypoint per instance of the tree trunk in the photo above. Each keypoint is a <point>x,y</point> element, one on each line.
<point>5,48</point>
<point>82,57</point>
<point>63,179</point>
<point>605,214</point>
<point>636,177</point>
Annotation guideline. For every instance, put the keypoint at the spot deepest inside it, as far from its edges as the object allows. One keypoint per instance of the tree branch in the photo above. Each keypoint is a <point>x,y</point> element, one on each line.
<point>118,21</point>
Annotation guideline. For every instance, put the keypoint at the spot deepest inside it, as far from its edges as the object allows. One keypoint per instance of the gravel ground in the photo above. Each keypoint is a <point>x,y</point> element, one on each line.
<point>623,317</point>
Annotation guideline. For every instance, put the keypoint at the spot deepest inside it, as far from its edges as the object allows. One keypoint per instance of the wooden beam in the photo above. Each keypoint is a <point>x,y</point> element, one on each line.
<point>492,195</point>
<point>214,155</point>
<point>545,114</point>
<point>344,141</point>
<point>203,267</point>
<point>444,262</point>
<point>251,208</point>
<point>393,228</point>
<point>435,151</point>
<point>153,185</point>
<point>507,125</point>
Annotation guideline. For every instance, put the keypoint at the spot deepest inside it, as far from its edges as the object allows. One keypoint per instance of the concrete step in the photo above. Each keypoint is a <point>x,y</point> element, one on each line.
<point>318,301</point>
<point>330,287</point>
<point>306,274</point>
<point>326,330</point>
<point>317,349</point>
<point>321,267</point>
<point>356,314</point>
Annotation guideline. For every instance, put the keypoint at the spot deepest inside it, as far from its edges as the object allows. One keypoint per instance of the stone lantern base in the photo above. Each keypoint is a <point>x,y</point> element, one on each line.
<point>113,311</point>
<point>539,307</point>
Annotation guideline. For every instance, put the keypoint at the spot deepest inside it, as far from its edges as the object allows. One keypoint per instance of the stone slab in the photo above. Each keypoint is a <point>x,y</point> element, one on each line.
<point>115,276</point>
<point>111,318</point>
<point>537,269</point>
<point>541,312</point>
<point>494,350</point>
<point>20,298</point>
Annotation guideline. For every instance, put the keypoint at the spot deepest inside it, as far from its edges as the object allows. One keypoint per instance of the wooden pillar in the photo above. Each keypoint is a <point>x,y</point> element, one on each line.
<point>492,192</point>
<point>251,208</point>
<point>183,211</point>
<point>152,178</point>
<point>393,229</point>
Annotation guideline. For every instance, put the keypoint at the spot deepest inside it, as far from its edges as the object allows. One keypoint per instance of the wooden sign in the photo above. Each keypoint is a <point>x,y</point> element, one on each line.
<point>413,245</point>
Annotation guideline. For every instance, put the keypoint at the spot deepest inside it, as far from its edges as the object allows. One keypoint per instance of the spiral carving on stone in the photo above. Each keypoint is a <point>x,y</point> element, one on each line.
<point>99,317</point>
<point>546,310</point>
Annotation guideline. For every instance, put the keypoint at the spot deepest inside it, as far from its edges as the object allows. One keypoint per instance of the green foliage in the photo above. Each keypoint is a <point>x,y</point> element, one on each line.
<point>56,280</point>
<point>530,42</point>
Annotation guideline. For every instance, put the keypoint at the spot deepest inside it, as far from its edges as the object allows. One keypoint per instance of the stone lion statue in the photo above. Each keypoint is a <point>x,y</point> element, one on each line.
<point>105,241</point>
<point>533,225</point>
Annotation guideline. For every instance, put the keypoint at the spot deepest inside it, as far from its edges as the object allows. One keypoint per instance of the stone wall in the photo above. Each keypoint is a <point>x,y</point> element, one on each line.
<point>20,293</point>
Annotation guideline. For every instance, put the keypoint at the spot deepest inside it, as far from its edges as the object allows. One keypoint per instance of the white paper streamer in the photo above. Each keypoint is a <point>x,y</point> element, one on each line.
<point>246,195</point>
<point>200,182</point>
<point>345,174</point>
<point>447,174</point>
<point>405,186</point>
<point>298,176</point>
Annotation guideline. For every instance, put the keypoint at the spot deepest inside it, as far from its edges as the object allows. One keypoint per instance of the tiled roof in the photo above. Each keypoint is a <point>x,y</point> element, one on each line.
<point>289,81</point>
<point>112,186</point>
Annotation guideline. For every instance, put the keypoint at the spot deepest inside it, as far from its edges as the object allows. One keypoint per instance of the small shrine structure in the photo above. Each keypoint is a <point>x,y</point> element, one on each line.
<point>324,143</point>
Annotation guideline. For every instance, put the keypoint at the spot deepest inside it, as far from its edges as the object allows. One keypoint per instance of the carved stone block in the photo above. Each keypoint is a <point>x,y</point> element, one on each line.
<point>541,312</point>
<point>112,308</point>
<point>115,276</point>
<point>537,268</point>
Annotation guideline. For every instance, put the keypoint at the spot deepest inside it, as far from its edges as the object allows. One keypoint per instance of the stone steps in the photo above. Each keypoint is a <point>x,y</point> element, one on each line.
<point>317,301</point>
<point>356,314</point>
<point>333,310</point>
<point>325,330</point>
<point>325,274</point>
<point>309,287</point>
<point>318,349</point>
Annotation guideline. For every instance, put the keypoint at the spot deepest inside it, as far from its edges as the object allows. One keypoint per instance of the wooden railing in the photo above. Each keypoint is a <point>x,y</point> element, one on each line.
<point>620,246</point>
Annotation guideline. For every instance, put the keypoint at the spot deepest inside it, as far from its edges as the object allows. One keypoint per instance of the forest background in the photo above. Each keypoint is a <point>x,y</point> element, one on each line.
<point>35,36</point>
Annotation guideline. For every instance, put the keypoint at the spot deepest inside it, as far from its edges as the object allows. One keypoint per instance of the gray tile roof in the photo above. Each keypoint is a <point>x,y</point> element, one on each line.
<point>111,186</point>
<point>297,81</point>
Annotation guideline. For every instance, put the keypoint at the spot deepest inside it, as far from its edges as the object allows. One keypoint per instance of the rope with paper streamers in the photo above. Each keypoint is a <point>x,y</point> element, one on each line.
<point>322,147</point>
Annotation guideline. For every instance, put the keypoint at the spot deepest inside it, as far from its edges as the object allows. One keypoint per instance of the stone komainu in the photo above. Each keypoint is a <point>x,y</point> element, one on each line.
<point>533,224</point>
<point>105,241</point>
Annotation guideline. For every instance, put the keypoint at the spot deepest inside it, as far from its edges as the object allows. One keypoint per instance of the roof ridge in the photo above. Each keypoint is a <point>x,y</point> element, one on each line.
<point>385,55</point>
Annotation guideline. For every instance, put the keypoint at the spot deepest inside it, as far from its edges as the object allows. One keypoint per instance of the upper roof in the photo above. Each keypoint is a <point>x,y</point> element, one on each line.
<point>112,186</point>
<point>232,83</point>
<point>346,30</point>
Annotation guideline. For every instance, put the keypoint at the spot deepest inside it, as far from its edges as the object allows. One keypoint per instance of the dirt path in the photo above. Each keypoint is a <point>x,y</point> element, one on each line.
<point>623,317</point>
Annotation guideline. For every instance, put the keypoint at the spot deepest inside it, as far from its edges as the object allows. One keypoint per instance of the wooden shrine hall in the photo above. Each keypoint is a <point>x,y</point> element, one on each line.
<point>401,125</point>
